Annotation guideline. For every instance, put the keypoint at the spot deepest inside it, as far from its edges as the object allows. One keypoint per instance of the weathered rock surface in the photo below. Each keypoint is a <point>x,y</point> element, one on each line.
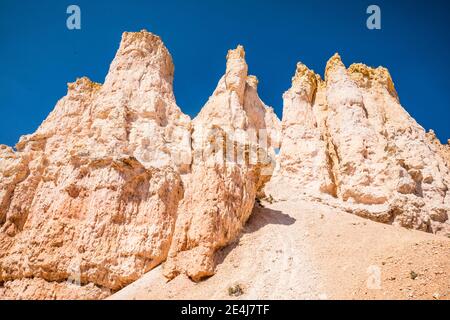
<point>348,142</point>
<point>303,165</point>
<point>231,138</point>
<point>91,197</point>
<point>89,202</point>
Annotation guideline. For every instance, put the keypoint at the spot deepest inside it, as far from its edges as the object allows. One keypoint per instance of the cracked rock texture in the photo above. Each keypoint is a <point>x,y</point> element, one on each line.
<point>348,142</point>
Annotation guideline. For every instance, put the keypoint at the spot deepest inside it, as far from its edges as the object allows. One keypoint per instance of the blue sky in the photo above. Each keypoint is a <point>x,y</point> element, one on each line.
<point>39,55</point>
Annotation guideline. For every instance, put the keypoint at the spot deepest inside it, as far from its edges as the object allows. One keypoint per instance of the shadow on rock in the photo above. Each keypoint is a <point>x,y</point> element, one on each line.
<point>260,218</point>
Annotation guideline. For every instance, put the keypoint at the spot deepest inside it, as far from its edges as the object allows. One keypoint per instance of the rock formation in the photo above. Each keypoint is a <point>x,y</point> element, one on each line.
<point>117,180</point>
<point>347,141</point>
<point>232,136</point>
<point>303,165</point>
<point>88,203</point>
<point>443,149</point>
<point>91,197</point>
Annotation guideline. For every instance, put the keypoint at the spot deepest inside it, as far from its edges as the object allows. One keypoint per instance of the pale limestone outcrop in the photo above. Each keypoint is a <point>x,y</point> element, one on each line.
<point>375,160</point>
<point>231,138</point>
<point>92,195</point>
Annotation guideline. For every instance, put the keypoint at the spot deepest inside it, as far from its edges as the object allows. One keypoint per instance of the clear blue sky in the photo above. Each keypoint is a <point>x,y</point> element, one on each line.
<point>39,55</point>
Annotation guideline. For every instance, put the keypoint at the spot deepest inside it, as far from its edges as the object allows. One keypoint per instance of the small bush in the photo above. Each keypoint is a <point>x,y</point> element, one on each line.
<point>235,290</point>
<point>269,199</point>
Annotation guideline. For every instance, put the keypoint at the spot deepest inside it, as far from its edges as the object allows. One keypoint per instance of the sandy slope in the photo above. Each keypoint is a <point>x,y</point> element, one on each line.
<point>304,250</point>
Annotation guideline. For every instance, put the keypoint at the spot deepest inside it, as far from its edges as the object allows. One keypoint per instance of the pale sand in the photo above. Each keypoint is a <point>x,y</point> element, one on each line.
<point>305,250</point>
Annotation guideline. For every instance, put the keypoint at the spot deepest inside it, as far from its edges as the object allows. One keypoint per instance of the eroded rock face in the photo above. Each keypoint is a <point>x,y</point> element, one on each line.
<point>303,165</point>
<point>348,141</point>
<point>443,149</point>
<point>108,183</point>
<point>91,197</point>
<point>232,138</point>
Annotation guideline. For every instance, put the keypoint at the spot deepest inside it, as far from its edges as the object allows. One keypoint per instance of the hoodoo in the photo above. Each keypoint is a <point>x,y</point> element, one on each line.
<point>348,142</point>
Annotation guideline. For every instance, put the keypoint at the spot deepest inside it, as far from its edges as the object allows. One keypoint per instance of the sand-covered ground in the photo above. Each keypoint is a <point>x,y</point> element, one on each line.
<point>306,250</point>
